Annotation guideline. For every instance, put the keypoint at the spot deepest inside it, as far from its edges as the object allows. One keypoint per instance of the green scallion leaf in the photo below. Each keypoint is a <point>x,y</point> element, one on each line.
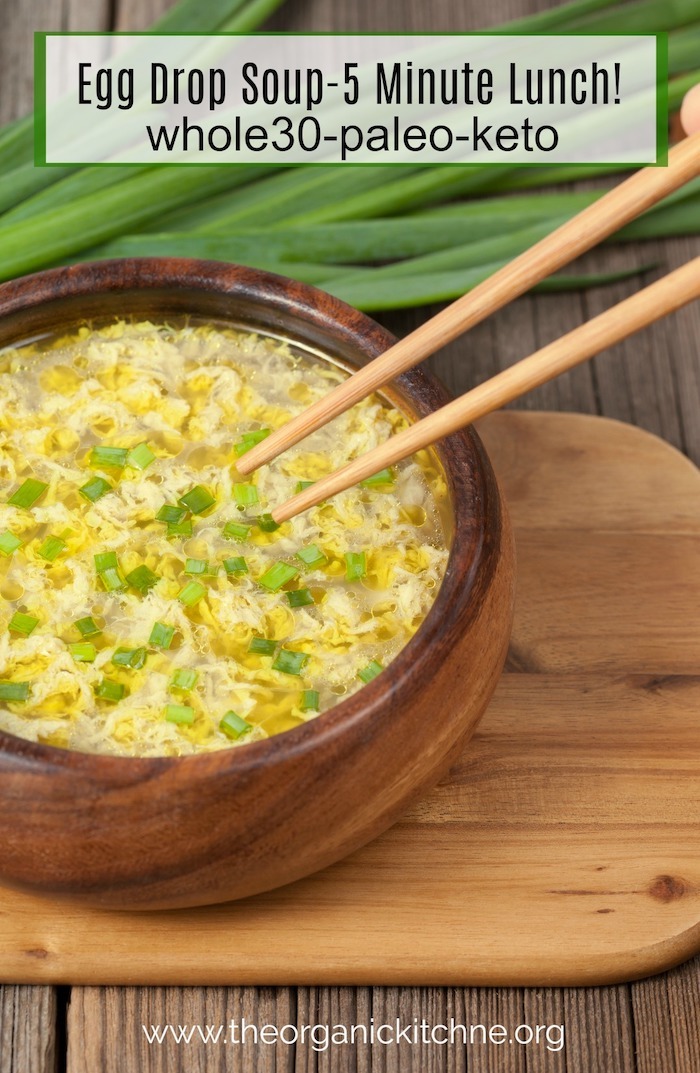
<point>14,690</point>
<point>236,565</point>
<point>171,514</point>
<point>130,657</point>
<point>267,523</point>
<point>290,662</point>
<point>87,627</point>
<point>95,488</point>
<point>235,531</point>
<point>378,480</point>
<point>197,500</point>
<point>83,652</point>
<point>233,726</point>
<point>192,593</point>
<point>28,493</point>
<point>184,679</point>
<point>309,700</point>
<point>262,646</point>
<point>179,713</point>
<point>52,548</point>
<point>114,457</point>
<point>311,555</point>
<point>142,579</point>
<point>245,495</point>
<point>197,567</point>
<point>140,457</point>
<point>161,635</point>
<point>9,543</point>
<point>370,671</point>
<point>24,624</point>
<point>355,565</point>
<point>180,528</point>
<point>277,576</point>
<point>301,485</point>
<point>112,580</point>
<point>106,560</point>
<point>300,598</point>
<point>110,690</point>
<point>249,440</point>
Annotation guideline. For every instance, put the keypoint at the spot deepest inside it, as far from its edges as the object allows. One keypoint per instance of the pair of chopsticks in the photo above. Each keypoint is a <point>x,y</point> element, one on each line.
<point>581,233</point>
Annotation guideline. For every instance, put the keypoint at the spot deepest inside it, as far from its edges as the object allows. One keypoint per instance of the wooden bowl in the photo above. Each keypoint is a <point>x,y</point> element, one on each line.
<point>170,832</point>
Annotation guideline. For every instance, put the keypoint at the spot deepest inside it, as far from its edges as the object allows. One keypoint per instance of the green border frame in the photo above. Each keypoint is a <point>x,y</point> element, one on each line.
<point>40,161</point>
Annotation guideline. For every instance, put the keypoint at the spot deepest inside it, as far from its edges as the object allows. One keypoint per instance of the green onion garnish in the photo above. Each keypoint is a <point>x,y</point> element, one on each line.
<point>184,679</point>
<point>300,598</point>
<point>108,456</point>
<point>370,671</point>
<point>290,662</point>
<point>95,488</point>
<point>197,500</point>
<point>106,560</point>
<point>301,485</point>
<point>236,565</point>
<point>235,531</point>
<point>20,623</point>
<point>83,652</point>
<point>192,593</point>
<point>140,457</point>
<point>87,627</point>
<point>28,493</point>
<point>112,580</point>
<point>249,440</point>
<point>277,576</point>
<point>309,700</point>
<point>179,713</point>
<point>9,543</point>
<point>233,726</point>
<point>263,646</point>
<point>384,477</point>
<point>311,555</point>
<point>267,523</point>
<point>161,635</point>
<point>171,514</point>
<point>109,690</point>
<point>129,657</point>
<point>246,495</point>
<point>197,566</point>
<point>52,548</point>
<point>180,528</point>
<point>14,690</point>
<point>355,565</point>
<point>142,579</point>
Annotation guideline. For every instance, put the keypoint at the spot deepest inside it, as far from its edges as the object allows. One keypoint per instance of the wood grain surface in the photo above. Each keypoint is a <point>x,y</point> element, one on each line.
<point>652,381</point>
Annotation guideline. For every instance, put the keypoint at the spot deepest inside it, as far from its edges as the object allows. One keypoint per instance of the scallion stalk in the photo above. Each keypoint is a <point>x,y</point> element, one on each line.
<point>24,624</point>
<point>161,635</point>
<point>179,713</point>
<point>197,500</point>
<point>109,690</point>
<point>9,543</point>
<point>277,576</point>
<point>17,691</point>
<point>355,565</point>
<point>51,548</point>
<point>192,593</point>
<point>184,679</point>
<point>95,488</point>
<point>28,493</point>
<point>83,652</point>
<point>234,726</point>
<point>290,662</point>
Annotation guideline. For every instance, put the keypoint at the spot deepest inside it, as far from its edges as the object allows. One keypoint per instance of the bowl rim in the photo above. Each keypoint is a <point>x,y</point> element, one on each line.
<point>462,456</point>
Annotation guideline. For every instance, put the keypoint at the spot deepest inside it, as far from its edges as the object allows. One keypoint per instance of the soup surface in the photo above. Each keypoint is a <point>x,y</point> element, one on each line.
<point>149,604</point>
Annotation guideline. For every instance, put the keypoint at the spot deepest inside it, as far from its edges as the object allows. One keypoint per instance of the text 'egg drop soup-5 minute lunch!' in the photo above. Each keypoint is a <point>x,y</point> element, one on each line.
<point>150,605</point>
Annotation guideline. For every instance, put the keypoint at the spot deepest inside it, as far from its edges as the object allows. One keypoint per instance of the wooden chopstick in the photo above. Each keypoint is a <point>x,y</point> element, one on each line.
<point>616,208</point>
<point>667,294</point>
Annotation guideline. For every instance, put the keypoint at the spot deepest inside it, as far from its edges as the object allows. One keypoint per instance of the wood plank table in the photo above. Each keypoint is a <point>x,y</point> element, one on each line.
<point>652,381</point>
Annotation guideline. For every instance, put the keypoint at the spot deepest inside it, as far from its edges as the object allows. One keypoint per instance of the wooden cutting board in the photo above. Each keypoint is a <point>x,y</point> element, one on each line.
<point>564,848</point>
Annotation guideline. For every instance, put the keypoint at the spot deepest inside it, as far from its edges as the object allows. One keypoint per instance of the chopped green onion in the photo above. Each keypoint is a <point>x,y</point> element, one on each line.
<point>277,576</point>
<point>246,495</point>
<point>262,646</point>
<point>95,488</point>
<point>197,566</point>
<point>142,579</point>
<point>184,679</point>
<point>290,662</point>
<point>20,623</point>
<point>108,456</point>
<point>235,531</point>
<point>267,523</point>
<point>301,485</point>
<point>9,543</point>
<point>249,440</point>
<point>87,627</point>
<point>28,493</point>
<point>109,690</point>
<point>161,635</point>
<point>14,690</point>
<point>311,555</point>
<point>370,671</point>
<point>309,700</point>
<point>83,652</point>
<point>179,713</point>
<point>106,560</point>
<point>233,726</point>
<point>355,565</point>
<point>129,657</point>
<point>180,528</point>
<point>197,500</point>
<point>300,598</point>
<point>171,514</point>
<point>52,548</point>
<point>112,580</point>
<point>192,593</point>
<point>236,565</point>
<point>140,457</point>
<point>384,477</point>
